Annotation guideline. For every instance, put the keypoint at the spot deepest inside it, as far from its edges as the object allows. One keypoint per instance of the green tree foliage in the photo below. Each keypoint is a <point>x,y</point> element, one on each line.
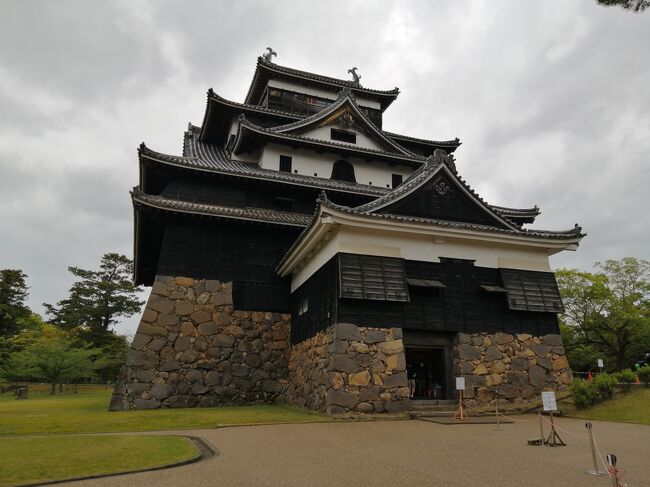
<point>607,311</point>
<point>97,299</point>
<point>605,384</point>
<point>644,375</point>
<point>633,5</point>
<point>13,294</point>
<point>584,393</point>
<point>52,356</point>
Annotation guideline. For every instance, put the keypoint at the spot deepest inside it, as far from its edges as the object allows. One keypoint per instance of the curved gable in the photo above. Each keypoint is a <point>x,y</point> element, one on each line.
<point>441,198</point>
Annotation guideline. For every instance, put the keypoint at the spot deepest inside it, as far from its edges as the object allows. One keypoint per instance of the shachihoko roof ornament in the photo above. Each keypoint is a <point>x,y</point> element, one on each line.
<point>356,78</point>
<point>268,56</point>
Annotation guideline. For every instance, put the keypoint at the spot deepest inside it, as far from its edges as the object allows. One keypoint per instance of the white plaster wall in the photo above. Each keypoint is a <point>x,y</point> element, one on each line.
<point>309,163</point>
<point>330,95</point>
<point>424,248</point>
<point>324,133</point>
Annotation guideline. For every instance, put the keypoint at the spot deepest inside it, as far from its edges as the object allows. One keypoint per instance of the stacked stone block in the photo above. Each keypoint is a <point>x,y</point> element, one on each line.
<point>514,367</point>
<point>193,349</point>
<point>350,369</point>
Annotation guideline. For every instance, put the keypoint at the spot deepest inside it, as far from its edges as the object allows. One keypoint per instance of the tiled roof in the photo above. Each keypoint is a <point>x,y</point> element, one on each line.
<point>246,127</point>
<point>251,214</point>
<point>266,67</point>
<point>517,212</point>
<point>344,97</point>
<point>451,143</point>
<point>572,233</point>
<point>210,158</point>
<point>433,165</point>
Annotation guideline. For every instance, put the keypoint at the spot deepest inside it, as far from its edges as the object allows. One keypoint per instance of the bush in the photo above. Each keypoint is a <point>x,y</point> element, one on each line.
<point>644,375</point>
<point>584,393</point>
<point>627,378</point>
<point>605,384</point>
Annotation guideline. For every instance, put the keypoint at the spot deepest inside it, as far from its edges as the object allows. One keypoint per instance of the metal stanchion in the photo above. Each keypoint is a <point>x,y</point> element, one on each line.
<point>496,409</point>
<point>595,470</point>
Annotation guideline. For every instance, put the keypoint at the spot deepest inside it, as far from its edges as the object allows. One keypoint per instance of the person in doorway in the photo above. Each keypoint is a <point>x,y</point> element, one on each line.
<point>437,391</point>
<point>421,379</point>
<point>411,374</point>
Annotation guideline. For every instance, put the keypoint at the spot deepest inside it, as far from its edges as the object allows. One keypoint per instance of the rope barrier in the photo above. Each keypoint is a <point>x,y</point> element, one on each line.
<point>565,431</point>
<point>497,414</point>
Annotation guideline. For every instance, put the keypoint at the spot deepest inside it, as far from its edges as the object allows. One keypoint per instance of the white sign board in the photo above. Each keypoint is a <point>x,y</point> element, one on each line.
<point>548,400</point>
<point>460,383</point>
<point>600,363</point>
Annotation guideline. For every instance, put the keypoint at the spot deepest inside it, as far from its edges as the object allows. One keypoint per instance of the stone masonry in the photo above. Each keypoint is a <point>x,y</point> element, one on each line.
<point>347,368</point>
<point>192,349</point>
<point>516,367</point>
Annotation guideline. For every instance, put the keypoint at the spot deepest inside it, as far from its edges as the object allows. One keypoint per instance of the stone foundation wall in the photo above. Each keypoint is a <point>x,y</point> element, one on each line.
<point>516,367</point>
<point>192,349</point>
<point>350,369</point>
<point>308,377</point>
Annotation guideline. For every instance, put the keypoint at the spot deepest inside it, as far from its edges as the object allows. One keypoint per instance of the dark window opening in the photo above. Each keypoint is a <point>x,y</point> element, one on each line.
<point>343,171</point>
<point>285,163</point>
<point>344,136</point>
<point>397,180</point>
<point>283,204</point>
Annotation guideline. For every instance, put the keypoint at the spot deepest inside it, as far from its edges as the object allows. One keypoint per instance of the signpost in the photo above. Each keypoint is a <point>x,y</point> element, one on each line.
<point>550,404</point>
<point>460,387</point>
<point>600,365</point>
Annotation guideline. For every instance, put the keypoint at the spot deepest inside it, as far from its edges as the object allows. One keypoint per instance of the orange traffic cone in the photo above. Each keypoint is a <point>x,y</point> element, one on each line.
<point>589,376</point>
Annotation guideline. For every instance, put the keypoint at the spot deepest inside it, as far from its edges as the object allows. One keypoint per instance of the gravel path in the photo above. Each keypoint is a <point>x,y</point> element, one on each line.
<point>394,453</point>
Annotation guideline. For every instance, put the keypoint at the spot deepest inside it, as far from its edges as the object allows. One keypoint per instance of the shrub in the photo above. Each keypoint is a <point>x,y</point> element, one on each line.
<point>644,375</point>
<point>627,378</point>
<point>605,384</point>
<point>584,393</point>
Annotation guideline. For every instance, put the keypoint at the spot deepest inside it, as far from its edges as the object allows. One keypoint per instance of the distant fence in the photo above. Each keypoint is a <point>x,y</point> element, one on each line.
<point>41,389</point>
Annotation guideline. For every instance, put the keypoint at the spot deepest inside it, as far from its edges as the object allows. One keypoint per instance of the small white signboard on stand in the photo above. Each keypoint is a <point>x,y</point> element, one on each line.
<point>600,363</point>
<point>460,383</point>
<point>548,400</point>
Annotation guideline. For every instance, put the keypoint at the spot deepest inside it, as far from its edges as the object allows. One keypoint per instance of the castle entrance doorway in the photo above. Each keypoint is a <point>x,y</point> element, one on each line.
<point>429,361</point>
<point>427,367</point>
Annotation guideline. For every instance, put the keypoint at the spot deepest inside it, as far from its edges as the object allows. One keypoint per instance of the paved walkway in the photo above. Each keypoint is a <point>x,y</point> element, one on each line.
<point>395,453</point>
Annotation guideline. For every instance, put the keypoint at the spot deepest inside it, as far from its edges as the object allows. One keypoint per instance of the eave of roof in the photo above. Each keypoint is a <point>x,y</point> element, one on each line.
<point>265,69</point>
<point>448,145</point>
<point>211,159</point>
<point>438,162</point>
<point>329,214</point>
<point>216,104</point>
<point>343,101</point>
<point>261,215</point>
<point>248,132</point>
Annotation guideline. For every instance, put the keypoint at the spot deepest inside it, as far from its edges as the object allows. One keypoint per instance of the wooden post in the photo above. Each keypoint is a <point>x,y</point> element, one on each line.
<point>459,412</point>
<point>541,428</point>
<point>553,438</point>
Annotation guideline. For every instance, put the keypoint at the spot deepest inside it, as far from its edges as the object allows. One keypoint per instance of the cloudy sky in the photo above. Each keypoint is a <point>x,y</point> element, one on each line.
<point>551,100</point>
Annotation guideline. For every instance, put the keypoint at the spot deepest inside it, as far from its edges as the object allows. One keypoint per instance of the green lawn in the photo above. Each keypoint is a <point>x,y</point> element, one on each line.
<point>39,459</point>
<point>633,407</point>
<point>88,413</point>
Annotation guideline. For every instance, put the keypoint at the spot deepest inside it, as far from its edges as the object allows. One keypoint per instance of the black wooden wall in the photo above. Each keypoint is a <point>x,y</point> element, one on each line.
<point>230,251</point>
<point>462,306</point>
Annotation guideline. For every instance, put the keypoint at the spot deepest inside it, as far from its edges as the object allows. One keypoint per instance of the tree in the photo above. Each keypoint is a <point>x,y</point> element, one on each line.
<point>633,5</point>
<point>98,298</point>
<point>13,294</point>
<point>54,357</point>
<point>608,311</point>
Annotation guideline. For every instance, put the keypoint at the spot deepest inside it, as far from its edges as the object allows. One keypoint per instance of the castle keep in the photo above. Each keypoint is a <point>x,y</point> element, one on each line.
<point>298,252</point>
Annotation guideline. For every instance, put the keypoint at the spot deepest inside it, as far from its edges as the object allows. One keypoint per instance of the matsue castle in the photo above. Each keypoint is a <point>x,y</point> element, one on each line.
<point>300,253</point>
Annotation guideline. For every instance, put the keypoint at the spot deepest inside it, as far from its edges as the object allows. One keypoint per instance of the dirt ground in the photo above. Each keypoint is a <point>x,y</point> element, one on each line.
<point>390,453</point>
